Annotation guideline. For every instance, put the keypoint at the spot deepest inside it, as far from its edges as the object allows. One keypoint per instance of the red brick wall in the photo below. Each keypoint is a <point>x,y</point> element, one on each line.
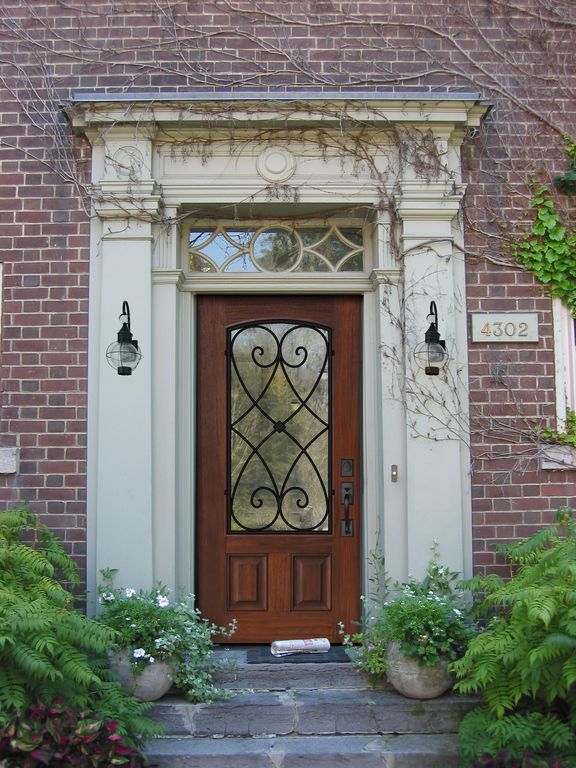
<point>512,391</point>
<point>519,55</point>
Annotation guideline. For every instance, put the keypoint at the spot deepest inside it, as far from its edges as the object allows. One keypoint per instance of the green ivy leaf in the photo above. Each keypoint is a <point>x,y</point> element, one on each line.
<point>549,252</point>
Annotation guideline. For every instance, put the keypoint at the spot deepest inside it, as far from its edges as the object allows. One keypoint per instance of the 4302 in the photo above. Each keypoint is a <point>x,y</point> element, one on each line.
<point>508,329</point>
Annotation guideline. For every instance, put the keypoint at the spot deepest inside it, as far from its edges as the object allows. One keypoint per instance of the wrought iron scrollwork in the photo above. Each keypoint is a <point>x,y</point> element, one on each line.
<point>279,427</point>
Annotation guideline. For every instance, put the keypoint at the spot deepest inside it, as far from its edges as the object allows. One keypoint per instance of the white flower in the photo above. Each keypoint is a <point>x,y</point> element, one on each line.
<point>150,659</point>
<point>457,612</point>
<point>139,653</point>
<point>162,601</point>
<point>129,592</point>
<point>107,597</point>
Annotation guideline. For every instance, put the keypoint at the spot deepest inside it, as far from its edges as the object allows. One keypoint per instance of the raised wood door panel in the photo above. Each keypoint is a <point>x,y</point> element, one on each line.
<point>289,580</point>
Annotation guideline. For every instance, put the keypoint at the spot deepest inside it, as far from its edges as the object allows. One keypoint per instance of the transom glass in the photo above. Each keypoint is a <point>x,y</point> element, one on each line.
<point>275,249</point>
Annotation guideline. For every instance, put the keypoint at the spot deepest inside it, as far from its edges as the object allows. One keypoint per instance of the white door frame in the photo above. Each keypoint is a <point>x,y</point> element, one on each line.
<point>141,430</point>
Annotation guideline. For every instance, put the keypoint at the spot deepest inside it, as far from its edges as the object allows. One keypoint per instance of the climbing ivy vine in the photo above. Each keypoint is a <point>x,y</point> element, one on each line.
<point>568,437</point>
<point>550,250</point>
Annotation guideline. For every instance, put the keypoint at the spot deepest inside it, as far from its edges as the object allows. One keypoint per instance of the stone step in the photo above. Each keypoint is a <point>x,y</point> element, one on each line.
<point>312,712</point>
<point>392,751</point>
<point>280,677</point>
<point>299,715</point>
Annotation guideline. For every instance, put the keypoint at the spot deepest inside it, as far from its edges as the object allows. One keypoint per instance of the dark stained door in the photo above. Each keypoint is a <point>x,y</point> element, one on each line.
<point>278,467</point>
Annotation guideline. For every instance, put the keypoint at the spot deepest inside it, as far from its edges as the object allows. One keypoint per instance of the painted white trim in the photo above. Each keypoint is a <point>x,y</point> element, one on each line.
<point>1,298</point>
<point>558,457</point>
<point>569,356</point>
<point>94,363</point>
<point>342,282</point>
<point>558,312</point>
<point>186,441</point>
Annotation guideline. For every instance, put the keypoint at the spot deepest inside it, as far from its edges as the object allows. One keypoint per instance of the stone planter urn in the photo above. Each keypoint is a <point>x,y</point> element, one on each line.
<point>414,680</point>
<point>149,684</point>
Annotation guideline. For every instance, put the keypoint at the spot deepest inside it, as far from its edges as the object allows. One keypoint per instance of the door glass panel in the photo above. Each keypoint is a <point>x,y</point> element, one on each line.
<point>279,431</point>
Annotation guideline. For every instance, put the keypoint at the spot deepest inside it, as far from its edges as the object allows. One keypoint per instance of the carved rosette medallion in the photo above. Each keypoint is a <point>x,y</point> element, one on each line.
<point>276,164</point>
<point>128,163</point>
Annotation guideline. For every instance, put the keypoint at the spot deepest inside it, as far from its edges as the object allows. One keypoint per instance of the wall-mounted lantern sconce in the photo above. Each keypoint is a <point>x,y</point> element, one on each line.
<point>124,355</point>
<point>431,353</point>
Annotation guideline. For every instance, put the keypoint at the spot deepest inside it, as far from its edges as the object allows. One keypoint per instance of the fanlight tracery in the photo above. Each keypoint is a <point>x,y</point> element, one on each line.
<point>275,249</point>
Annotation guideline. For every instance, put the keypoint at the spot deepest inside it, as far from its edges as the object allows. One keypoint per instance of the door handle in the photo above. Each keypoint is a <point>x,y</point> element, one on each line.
<point>347,498</point>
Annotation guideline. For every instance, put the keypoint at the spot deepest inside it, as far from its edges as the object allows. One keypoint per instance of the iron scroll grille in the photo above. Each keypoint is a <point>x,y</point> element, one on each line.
<point>279,405</point>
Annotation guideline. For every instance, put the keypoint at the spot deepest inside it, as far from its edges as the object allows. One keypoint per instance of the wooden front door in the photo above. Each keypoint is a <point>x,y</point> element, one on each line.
<point>278,468</point>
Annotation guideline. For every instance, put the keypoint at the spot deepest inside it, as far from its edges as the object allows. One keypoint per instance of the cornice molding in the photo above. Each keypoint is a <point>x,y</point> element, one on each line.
<point>88,110</point>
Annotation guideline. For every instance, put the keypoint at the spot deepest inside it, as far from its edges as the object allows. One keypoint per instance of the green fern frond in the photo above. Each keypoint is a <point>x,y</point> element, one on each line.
<point>58,558</point>
<point>27,559</point>
<point>569,671</point>
<point>89,634</point>
<point>12,698</point>
<point>529,550</point>
<point>503,696</point>
<point>542,608</point>
<point>74,665</point>
<point>517,733</point>
<point>33,664</point>
<point>532,730</point>
<point>554,646</point>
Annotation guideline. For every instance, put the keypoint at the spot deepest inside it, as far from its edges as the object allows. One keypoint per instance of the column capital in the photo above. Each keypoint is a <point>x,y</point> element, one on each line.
<point>127,200</point>
<point>429,201</point>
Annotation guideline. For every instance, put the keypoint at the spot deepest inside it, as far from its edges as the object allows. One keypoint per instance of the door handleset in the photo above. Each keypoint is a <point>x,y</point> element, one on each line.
<point>347,498</point>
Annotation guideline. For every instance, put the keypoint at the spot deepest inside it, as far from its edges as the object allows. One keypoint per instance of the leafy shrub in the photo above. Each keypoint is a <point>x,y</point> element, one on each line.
<point>151,626</point>
<point>55,736</point>
<point>524,663</point>
<point>48,650</point>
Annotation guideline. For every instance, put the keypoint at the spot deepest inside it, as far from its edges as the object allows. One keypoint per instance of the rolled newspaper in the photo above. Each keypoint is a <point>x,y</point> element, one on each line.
<point>311,645</point>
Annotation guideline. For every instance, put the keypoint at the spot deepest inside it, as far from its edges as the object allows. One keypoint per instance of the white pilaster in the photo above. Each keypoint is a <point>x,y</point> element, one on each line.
<point>437,502</point>
<point>120,464</point>
<point>124,427</point>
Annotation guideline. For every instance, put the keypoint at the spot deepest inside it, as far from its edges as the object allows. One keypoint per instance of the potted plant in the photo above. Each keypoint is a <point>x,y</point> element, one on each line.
<point>160,642</point>
<point>414,635</point>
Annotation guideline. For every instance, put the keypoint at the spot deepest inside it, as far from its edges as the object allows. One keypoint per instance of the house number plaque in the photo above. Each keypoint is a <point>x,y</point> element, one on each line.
<point>505,327</point>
